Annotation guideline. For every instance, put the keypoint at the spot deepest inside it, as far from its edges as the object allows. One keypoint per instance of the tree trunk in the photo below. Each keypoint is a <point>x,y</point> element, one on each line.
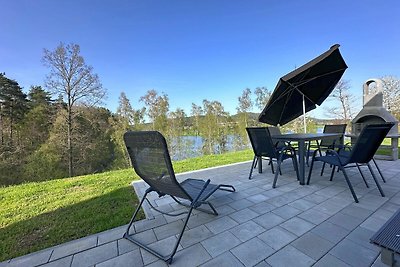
<point>11,125</point>
<point>69,136</point>
<point>1,126</point>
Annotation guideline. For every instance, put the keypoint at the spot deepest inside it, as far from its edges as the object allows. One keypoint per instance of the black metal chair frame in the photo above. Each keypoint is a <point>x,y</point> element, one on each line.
<point>345,152</point>
<point>326,144</point>
<point>162,180</point>
<point>264,147</point>
<point>362,153</point>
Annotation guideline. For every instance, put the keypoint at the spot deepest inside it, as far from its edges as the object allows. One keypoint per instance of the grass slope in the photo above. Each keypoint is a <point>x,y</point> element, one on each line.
<point>35,216</point>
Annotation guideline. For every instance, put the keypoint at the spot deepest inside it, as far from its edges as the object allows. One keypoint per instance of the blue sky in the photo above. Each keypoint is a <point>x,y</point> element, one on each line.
<point>204,49</point>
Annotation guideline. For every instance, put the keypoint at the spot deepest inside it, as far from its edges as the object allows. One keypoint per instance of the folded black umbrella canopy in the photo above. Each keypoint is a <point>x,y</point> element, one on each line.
<point>302,89</point>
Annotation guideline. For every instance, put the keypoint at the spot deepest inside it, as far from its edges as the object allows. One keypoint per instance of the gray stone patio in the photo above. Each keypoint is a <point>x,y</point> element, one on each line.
<point>291,225</point>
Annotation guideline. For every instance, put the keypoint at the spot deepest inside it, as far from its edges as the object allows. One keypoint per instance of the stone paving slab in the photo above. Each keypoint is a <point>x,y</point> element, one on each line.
<point>292,225</point>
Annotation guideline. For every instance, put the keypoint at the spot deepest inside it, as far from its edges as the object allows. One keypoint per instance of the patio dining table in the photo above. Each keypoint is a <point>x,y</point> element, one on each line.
<point>301,139</point>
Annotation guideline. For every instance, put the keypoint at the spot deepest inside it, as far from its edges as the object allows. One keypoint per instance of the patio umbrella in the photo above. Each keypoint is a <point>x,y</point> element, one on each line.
<point>304,88</point>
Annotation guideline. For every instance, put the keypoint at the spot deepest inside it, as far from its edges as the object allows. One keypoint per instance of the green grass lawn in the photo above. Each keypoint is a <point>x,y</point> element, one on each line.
<point>387,150</point>
<point>34,216</point>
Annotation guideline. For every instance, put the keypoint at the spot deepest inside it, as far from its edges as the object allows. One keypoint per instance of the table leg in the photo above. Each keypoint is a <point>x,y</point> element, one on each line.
<point>301,144</point>
<point>395,148</point>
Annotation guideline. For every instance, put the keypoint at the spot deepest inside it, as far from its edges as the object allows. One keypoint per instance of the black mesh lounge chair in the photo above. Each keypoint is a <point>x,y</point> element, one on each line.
<point>264,147</point>
<point>328,143</point>
<point>364,149</point>
<point>150,158</point>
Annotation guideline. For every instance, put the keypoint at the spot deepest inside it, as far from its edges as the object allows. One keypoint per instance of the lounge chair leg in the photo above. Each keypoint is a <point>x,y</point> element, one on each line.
<point>362,175</point>
<point>349,184</point>
<point>135,213</point>
<point>252,166</point>
<point>379,170</point>
<point>169,260</point>
<point>212,207</point>
<point>376,180</point>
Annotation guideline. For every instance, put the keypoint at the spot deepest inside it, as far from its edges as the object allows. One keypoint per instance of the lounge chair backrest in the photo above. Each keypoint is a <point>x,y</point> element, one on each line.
<point>150,158</point>
<point>335,128</point>
<point>368,142</point>
<point>261,142</point>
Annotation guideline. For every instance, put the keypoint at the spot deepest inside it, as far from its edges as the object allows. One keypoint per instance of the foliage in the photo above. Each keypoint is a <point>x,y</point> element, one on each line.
<point>262,97</point>
<point>341,94</point>
<point>245,104</point>
<point>13,106</point>
<point>178,143</point>
<point>214,127</point>
<point>93,151</point>
<point>157,109</point>
<point>391,94</point>
<point>125,111</point>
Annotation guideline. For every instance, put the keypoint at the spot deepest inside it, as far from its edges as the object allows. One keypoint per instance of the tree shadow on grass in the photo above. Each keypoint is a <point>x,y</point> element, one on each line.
<point>68,223</point>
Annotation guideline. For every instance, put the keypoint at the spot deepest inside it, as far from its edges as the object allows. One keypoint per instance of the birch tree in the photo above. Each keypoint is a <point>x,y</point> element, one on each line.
<point>391,94</point>
<point>72,78</point>
<point>345,99</point>
<point>245,105</point>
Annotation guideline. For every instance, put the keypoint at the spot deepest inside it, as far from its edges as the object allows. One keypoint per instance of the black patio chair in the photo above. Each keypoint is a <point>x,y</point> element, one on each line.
<point>364,149</point>
<point>273,130</point>
<point>328,143</point>
<point>264,147</point>
<point>345,152</point>
<point>150,158</point>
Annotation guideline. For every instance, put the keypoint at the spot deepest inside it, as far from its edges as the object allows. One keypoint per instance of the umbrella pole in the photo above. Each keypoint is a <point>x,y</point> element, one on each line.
<point>304,115</point>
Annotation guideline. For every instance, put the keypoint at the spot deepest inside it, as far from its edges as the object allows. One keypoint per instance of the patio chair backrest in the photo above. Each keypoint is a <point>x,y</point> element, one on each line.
<point>150,158</point>
<point>273,130</point>
<point>368,142</point>
<point>334,128</point>
<point>261,142</point>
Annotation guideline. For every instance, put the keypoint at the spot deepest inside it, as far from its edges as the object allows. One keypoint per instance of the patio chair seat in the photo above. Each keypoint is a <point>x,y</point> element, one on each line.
<point>194,186</point>
<point>329,160</point>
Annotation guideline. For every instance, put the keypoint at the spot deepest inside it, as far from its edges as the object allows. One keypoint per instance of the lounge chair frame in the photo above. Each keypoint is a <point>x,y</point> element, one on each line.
<point>150,159</point>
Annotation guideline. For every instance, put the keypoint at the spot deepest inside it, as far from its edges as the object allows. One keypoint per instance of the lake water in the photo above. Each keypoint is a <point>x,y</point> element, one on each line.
<point>192,146</point>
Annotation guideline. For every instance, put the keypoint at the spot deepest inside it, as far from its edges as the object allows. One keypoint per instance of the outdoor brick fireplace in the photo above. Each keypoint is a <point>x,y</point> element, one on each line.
<point>374,112</point>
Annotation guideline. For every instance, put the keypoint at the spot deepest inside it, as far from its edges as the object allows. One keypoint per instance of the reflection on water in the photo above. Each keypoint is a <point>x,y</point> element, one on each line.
<point>190,146</point>
<point>193,146</point>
